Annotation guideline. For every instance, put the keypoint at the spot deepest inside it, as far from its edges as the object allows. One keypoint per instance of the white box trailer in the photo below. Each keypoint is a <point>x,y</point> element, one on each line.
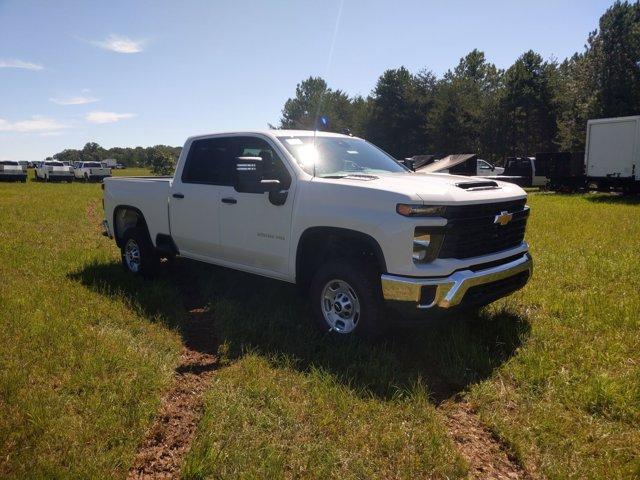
<point>612,153</point>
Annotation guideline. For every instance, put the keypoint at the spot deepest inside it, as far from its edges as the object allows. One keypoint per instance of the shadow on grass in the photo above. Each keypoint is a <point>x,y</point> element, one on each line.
<point>614,199</point>
<point>256,314</point>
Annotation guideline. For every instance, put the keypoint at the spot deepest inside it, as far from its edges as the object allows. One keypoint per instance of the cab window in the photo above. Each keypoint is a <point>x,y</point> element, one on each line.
<point>273,166</point>
<point>210,161</point>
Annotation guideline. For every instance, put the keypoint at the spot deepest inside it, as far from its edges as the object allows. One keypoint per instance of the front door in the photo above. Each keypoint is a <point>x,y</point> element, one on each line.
<point>255,227</point>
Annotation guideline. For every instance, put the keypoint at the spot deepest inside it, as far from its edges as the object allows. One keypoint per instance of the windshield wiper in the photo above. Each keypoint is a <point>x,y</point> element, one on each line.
<point>334,176</point>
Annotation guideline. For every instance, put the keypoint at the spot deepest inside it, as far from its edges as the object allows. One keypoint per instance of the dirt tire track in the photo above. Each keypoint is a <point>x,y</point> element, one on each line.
<point>169,439</point>
<point>486,456</point>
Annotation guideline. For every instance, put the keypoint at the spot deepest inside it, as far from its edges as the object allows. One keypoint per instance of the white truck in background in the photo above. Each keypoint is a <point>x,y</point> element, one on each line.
<point>53,171</point>
<point>11,170</point>
<point>612,154</point>
<point>90,171</point>
<point>334,214</point>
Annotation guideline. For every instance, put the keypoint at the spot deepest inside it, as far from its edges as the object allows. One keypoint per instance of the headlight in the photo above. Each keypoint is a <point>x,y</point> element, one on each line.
<point>426,245</point>
<point>420,210</point>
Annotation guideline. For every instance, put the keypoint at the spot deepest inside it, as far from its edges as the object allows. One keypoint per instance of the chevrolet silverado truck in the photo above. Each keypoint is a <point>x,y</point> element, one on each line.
<point>334,214</point>
<point>90,171</point>
<point>53,171</point>
<point>11,170</point>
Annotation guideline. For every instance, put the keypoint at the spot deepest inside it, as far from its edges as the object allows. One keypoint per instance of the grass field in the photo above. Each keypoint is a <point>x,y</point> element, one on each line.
<point>85,352</point>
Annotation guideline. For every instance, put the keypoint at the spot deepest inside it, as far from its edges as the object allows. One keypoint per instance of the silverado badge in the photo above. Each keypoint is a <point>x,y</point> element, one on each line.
<point>503,218</point>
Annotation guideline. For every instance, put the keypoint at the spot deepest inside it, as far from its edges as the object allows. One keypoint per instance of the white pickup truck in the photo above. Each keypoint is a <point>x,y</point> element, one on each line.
<point>330,212</point>
<point>11,170</point>
<point>53,171</point>
<point>90,171</point>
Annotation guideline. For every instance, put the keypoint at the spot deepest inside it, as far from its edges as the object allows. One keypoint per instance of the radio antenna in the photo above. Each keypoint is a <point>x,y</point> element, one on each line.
<point>327,69</point>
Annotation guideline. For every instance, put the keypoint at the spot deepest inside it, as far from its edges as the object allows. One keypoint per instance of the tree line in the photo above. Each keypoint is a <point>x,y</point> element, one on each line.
<point>159,158</point>
<point>535,105</point>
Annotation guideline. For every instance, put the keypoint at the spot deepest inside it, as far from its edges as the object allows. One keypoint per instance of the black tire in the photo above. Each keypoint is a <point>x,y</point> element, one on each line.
<point>148,260</point>
<point>86,178</point>
<point>365,283</point>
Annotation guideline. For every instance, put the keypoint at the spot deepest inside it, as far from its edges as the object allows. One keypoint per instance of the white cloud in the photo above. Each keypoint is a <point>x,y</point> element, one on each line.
<point>120,44</point>
<point>36,124</point>
<point>79,100</point>
<point>107,117</point>
<point>20,64</point>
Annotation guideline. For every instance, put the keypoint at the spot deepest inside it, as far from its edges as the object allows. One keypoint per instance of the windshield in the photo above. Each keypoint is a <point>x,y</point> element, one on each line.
<point>8,162</point>
<point>339,156</point>
<point>54,164</point>
<point>92,165</point>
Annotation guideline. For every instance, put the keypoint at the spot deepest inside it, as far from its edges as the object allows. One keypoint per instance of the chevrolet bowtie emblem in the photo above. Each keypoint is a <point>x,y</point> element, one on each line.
<point>503,218</point>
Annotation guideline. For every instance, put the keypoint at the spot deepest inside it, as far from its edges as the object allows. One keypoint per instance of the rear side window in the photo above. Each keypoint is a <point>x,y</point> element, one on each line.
<point>209,161</point>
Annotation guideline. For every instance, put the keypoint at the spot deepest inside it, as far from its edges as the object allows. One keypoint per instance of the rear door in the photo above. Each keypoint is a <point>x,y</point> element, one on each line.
<point>194,203</point>
<point>254,228</point>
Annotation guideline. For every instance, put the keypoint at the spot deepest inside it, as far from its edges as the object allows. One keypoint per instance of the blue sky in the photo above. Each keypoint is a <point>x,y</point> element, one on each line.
<point>127,73</point>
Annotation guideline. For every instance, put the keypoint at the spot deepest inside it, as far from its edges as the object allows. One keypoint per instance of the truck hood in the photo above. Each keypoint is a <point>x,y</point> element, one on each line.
<point>431,188</point>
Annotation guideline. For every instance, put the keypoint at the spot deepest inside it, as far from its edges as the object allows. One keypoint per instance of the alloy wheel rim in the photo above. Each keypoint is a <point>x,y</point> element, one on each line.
<point>340,306</point>
<point>132,255</point>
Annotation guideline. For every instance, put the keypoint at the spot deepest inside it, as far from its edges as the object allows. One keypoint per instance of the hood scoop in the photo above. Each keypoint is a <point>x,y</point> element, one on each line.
<point>475,186</point>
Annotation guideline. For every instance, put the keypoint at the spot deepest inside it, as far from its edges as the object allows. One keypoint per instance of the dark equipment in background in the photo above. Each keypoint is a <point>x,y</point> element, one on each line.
<point>519,171</point>
<point>565,170</point>
<point>418,161</point>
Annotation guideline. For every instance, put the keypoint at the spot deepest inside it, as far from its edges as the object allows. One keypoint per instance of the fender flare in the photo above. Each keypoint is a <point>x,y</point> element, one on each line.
<point>340,232</point>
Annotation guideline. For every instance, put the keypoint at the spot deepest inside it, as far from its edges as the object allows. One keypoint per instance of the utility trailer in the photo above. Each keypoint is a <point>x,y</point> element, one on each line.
<point>564,169</point>
<point>612,154</point>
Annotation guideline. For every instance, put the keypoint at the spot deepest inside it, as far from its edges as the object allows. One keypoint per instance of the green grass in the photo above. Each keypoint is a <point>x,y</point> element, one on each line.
<point>131,172</point>
<point>554,369</point>
<point>80,369</point>
<point>569,401</point>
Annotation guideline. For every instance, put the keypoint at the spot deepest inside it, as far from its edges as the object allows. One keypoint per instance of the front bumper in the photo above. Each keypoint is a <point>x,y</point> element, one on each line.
<point>465,287</point>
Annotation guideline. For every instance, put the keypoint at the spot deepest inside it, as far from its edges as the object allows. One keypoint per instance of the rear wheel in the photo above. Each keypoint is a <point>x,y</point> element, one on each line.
<point>139,256</point>
<point>347,299</point>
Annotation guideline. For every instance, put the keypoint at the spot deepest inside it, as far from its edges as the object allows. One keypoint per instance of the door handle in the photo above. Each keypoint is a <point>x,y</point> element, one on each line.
<point>229,200</point>
<point>178,195</point>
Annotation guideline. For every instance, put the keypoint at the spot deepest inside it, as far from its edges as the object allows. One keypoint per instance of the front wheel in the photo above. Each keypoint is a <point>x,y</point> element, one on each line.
<point>139,257</point>
<point>346,299</point>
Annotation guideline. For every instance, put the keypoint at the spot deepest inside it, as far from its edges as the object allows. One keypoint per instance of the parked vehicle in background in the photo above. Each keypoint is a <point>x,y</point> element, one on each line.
<point>612,154</point>
<point>487,169</point>
<point>24,163</point>
<point>464,164</point>
<point>120,166</point>
<point>53,171</point>
<point>566,170</point>
<point>91,171</point>
<point>526,172</point>
<point>334,214</point>
<point>11,170</point>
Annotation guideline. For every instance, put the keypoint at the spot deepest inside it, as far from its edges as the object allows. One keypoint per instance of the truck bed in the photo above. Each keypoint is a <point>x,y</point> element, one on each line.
<point>147,194</point>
